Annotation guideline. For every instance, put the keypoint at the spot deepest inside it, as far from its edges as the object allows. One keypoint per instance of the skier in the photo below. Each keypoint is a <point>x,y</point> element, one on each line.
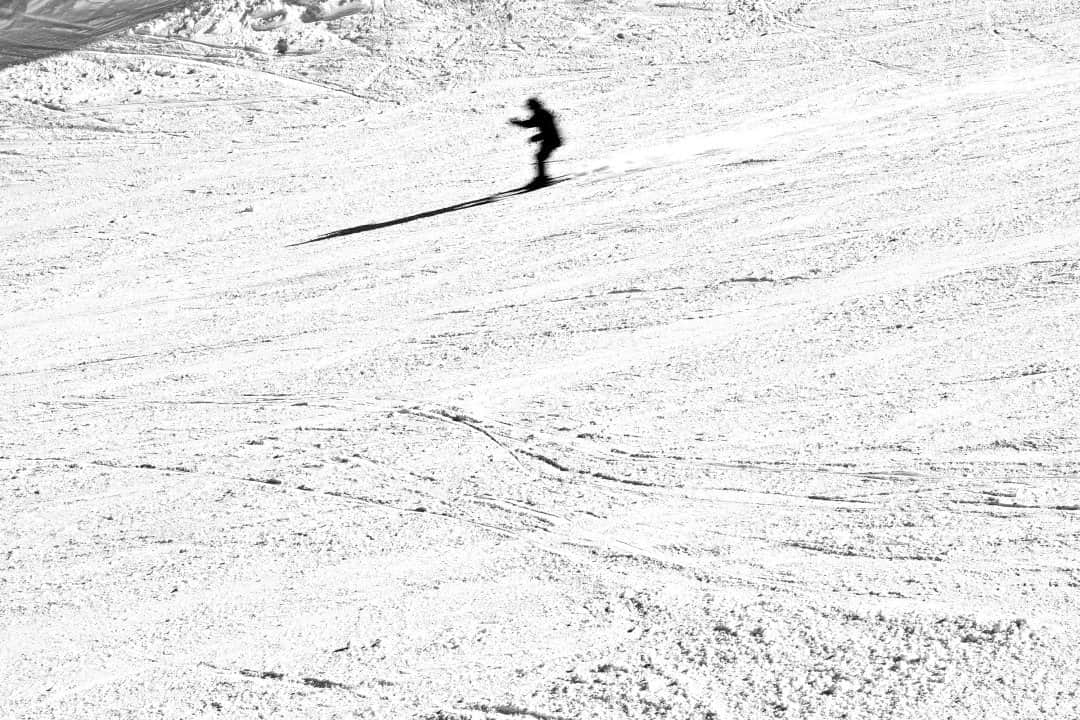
<point>547,136</point>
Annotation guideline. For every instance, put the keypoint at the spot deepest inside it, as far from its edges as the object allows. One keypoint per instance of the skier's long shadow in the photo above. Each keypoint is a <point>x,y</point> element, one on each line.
<point>487,200</point>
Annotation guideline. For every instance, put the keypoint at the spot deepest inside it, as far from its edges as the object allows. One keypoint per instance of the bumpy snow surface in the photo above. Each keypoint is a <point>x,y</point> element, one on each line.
<point>769,409</point>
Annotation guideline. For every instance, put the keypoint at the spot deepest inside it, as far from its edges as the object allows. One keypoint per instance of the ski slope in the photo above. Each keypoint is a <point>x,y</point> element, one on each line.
<point>31,29</point>
<point>769,410</point>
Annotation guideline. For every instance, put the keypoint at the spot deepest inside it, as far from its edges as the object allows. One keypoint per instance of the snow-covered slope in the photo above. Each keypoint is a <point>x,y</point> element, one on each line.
<point>31,29</point>
<point>769,410</point>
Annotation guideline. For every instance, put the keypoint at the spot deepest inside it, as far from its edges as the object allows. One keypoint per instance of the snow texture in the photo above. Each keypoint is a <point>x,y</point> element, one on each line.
<point>768,409</point>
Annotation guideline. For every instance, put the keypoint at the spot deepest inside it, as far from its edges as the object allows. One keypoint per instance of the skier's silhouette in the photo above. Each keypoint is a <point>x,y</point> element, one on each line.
<point>547,135</point>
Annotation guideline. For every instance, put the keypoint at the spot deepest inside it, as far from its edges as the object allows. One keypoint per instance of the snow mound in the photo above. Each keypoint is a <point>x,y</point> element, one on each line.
<point>277,13</point>
<point>269,25</point>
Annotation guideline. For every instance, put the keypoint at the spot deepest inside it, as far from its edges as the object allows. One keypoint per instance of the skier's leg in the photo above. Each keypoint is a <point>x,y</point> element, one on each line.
<point>541,164</point>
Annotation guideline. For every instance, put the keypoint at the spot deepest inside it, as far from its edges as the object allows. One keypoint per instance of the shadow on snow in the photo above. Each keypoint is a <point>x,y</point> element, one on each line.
<point>487,200</point>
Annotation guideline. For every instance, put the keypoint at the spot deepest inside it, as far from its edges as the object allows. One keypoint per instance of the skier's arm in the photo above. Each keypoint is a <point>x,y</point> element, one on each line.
<point>528,122</point>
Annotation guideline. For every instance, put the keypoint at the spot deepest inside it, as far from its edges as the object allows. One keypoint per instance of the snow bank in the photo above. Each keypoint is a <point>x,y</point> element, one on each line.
<point>31,29</point>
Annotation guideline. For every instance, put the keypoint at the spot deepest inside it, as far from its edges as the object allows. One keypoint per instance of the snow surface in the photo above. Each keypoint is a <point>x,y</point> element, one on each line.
<point>769,410</point>
<point>31,29</point>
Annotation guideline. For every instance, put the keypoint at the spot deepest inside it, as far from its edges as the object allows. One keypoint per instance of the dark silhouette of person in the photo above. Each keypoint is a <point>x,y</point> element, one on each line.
<point>547,135</point>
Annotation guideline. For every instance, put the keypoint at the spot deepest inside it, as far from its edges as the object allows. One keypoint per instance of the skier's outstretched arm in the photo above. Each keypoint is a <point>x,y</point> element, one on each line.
<point>528,122</point>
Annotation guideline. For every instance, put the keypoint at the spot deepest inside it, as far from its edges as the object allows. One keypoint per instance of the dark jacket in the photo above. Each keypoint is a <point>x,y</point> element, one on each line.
<point>544,121</point>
